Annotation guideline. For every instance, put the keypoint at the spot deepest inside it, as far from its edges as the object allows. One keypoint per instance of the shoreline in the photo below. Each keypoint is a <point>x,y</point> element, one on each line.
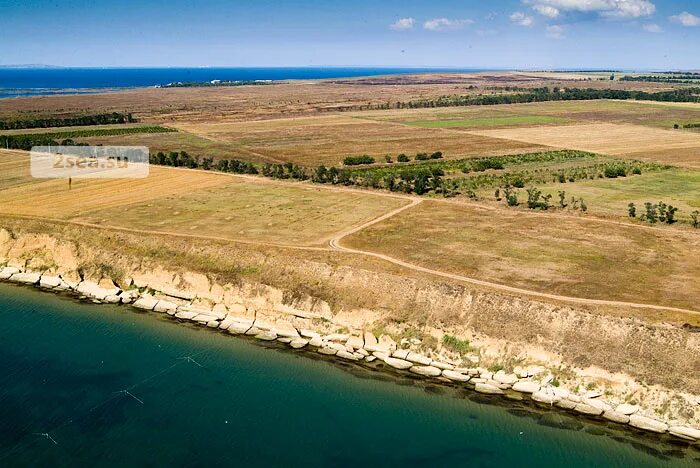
<point>535,385</point>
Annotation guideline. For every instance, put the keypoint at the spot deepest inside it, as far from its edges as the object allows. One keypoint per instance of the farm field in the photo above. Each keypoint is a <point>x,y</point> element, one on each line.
<point>678,187</point>
<point>489,122</point>
<point>563,255</point>
<point>612,139</point>
<point>192,202</point>
<point>329,139</point>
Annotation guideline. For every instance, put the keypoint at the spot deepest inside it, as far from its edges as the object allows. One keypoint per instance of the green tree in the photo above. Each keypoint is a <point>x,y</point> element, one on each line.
<point>695,219</point>
<point>562,199</point>
<point>631,210</point>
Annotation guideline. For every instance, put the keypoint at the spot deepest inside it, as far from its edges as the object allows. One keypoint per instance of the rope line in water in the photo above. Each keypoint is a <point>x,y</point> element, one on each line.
<point>124,392</point>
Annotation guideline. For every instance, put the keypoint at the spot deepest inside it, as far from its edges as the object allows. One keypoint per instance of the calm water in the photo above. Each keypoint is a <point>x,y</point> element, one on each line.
<point>46,81</point>
<point>241,404</point>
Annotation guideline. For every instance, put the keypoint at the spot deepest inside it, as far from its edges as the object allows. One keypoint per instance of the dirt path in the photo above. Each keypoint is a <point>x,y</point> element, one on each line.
<point>335,244</point>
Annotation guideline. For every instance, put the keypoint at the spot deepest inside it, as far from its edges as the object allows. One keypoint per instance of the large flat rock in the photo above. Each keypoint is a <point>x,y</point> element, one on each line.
<point>648,424</point>
<point>426,371</point>
<point>488,389</point>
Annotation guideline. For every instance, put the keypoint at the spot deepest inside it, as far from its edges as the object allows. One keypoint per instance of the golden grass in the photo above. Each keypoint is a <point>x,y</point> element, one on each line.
<point>252,211</point>
<point>566,256</point>
<point>613,139</point>
<point>192,202</point>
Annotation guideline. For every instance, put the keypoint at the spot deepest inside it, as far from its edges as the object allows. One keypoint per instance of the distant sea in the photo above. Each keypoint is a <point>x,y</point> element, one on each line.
<point>49,81</point>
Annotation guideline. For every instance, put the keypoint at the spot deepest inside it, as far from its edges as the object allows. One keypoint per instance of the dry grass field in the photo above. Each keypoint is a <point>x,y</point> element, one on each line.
<point>329,139</point>
<point>192,202</point>
<point>612,139</point>
<point>563,255</point>
<point>257,211</point>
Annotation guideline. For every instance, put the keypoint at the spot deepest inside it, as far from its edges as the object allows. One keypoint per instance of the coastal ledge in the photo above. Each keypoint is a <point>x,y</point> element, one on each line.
<point>534,382</point>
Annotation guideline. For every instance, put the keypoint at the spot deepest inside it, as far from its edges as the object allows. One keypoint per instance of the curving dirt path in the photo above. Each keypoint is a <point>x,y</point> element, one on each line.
<point>335,244</point>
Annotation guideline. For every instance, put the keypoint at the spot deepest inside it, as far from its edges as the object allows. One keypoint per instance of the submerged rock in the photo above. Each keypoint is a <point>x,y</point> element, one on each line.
<point>426,371</point>
<point>488,389</point>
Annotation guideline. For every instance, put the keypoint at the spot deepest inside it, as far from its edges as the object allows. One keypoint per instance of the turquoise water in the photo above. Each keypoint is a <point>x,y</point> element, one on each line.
<point>240,403</point>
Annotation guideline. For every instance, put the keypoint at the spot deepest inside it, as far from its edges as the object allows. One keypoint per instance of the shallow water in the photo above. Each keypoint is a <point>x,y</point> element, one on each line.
<point>236,402</point>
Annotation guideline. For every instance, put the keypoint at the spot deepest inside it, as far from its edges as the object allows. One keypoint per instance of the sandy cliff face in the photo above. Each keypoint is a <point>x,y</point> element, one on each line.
<point>625,354</point>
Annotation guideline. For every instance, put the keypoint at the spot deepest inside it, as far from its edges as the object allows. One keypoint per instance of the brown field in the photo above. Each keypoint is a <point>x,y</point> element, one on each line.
<point>612,139</point>
<point>329,139</point>
<point>564,255</point>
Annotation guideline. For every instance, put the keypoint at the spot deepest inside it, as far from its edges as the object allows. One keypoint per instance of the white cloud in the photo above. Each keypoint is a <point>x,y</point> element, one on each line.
<point>442,24</point>
<point>546,10</point>
<point>403,24</point>
<point>652,28</point>
<point>521,19</point>
<point>686,19</point>
<point>604,8</point>
<point>555,31</point>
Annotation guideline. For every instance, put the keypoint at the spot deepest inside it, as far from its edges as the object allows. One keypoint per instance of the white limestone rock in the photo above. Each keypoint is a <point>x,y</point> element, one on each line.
<point>545,397</point>
<point>26,278</point>
<point>418,359</point>
<point>266,335</point>
<point>685,432</point>
<point>298,343</point>
<point>397,363</point>
<point>400,353</point>
<point>614,416</point>
<point>426,371</point>
<point>526,386</point>
<point>600,404</point>
<point>112,299</point>
<point>309,333</point>
<point>127,297</point>
<point>146,302</point>
<point>502,377</point>
<point>7,272</point>
<point>186,315</point>
<point>355,342</point>
<point>347,355</point>
<point>442,365</point>
<point>648,424</point>
<point>226,322</point>
<point>588,410</point>
<point>316,341</point>
<point>327,350</point>
<point>565,403</point>
<point>627,409</point>
<point>50,282</point>
<point>213,324</point>
<point>455,376</point>
<point>337,337</point>
<point>166,307</point>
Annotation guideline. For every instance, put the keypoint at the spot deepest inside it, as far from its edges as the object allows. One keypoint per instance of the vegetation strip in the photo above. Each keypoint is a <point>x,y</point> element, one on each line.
<point>27,140</point>
<point>85,120</point>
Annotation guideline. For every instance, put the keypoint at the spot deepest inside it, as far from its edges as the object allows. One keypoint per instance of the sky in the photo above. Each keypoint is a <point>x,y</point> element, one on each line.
<point>508,34</point>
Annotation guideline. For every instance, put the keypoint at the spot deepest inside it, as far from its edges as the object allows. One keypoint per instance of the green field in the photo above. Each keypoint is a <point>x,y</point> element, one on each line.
<point>678,187</point>
<point>490,122</point>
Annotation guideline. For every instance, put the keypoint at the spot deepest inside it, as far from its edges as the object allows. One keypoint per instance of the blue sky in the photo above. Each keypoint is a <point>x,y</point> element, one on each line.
<point>631,34</point>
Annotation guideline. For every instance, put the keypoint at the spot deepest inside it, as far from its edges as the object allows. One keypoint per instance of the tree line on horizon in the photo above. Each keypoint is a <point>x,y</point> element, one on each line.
<point>79,121</point>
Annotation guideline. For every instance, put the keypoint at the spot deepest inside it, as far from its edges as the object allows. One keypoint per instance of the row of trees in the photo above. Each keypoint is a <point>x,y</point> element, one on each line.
<point>402,158</point>
<point>84,120</point>
<point>26,142</point>
<point>184,159</point>
<point>654,212</point>
<point>536,200</point>
<point>555,94</point>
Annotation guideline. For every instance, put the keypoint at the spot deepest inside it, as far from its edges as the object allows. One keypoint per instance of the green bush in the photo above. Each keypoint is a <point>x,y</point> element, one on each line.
<point>358,160</point>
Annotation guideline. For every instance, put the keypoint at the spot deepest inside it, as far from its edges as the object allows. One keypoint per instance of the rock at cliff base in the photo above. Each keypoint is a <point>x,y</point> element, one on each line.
<point>397,363</point>
<point>647,424</point>
<point>488,389</point>
<point>455,376</point>
<point>614,416</point>
<point>426,371</point>
<point>526,386</point>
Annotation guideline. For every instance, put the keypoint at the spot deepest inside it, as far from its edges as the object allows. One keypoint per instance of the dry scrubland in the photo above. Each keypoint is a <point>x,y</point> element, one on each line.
<point>563,255</point>
<point>321,122</point>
